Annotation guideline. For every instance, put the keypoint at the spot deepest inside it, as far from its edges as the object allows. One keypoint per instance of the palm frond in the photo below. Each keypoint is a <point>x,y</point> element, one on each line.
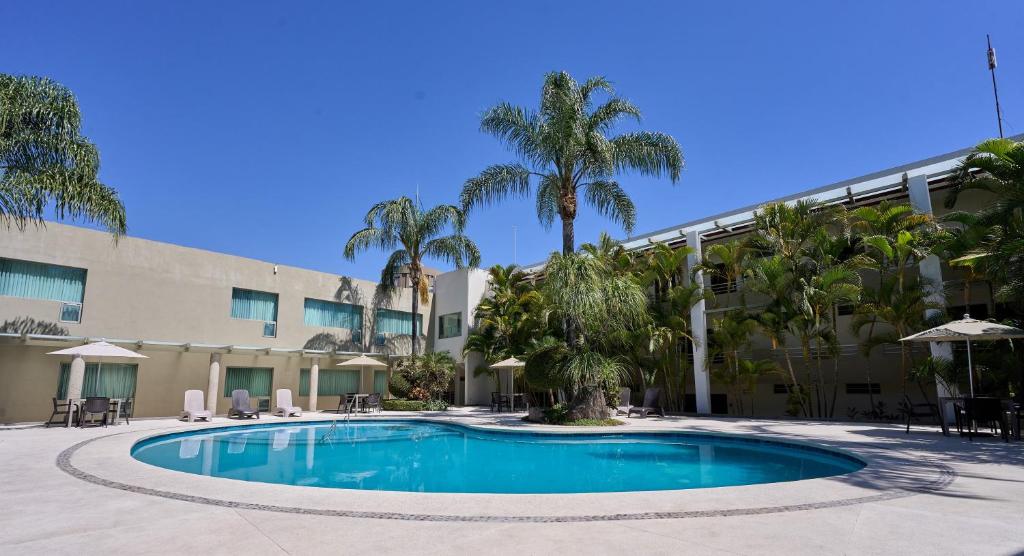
<point>495,184</point>
<point>611,201</point>
<point>650,153</point>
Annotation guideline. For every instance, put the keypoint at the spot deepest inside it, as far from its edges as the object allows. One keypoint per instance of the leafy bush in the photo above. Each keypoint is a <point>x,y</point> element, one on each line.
<point>593,423</point>
<point>557,415</point>
<point>435,405</point>
<point>403,405</point>
<point>429,376</point>
<point>399,386</point>
<point>414,405</point>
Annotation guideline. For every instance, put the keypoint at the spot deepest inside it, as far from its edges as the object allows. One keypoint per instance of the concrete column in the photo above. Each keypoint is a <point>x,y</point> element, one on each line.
<point>930,268</point>
<point>75,380</point>
<point>314,382</point>
<point>213,386</point>
<point>699,327</point>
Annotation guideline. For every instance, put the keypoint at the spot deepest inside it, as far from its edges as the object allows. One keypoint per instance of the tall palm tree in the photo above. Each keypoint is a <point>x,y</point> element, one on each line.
<point>46,161</point>
<point>565,148</point>
<point>994,236</point>
<point>414,234</point>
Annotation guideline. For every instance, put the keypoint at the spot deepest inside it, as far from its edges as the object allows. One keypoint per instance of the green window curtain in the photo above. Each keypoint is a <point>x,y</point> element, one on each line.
<point>330,382</point>
<point>390,321</point>
<point>257,380</point>
<point>41,281</point>
<point>380,382</point>
<point>332,314</point>
<point>449,326</point>
<point>111,380</point>
<point>304,382</point>
<point>253,305</point>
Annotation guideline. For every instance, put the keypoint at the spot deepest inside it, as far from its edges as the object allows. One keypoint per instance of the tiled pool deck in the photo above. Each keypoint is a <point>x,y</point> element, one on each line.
<point>78,491</point>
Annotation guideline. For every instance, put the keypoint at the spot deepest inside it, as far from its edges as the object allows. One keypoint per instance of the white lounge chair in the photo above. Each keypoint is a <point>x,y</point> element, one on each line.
<point>624,405</point>
<point>284,406</point>
<point>195,408</point>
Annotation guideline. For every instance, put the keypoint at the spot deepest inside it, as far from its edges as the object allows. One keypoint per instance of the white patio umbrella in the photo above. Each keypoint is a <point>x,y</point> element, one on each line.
<point>97,350</point>
<point>511,364</point>
<point>965,330</point>
<point>363,362</point>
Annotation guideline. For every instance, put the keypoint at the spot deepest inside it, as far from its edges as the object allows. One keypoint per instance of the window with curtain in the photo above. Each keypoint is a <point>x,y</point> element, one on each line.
<point>41,281</point>
<point>332,314</point>
<point>449,326</point>
<point>380,382</point>
<point>256,380</point>
<point>390,321</point>
<point>109,380</point>
<point>253,305</point>
<point>331,382</point>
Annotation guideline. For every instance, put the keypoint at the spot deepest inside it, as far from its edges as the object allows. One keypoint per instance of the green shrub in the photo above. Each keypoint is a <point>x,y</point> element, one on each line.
<point>399,386</point>
<point>556,415</point>
<point>427,376</point>
<point>403,405</point>
<point>593,423</point>
<point>435,405</point>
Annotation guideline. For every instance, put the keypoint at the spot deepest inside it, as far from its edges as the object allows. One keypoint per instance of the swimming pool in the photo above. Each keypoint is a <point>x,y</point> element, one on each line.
<point>425,456</point>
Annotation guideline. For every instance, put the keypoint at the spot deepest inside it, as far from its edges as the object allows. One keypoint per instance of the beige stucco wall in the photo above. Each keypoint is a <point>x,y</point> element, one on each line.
<point>148,290</point>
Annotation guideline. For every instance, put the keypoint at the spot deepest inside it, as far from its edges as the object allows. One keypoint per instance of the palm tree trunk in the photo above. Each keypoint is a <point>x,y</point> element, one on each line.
<point>568,236</point>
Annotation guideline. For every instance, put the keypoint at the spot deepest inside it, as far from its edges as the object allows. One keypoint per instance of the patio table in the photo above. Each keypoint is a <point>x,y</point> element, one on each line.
<point>80,402</point>
<point>358,400</point>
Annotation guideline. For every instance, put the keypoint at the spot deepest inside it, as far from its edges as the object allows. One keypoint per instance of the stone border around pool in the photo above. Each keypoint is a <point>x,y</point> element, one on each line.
<point>944,475</point>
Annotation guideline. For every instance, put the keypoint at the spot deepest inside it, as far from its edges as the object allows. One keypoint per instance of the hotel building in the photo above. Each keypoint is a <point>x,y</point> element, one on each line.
<point>217,322</point>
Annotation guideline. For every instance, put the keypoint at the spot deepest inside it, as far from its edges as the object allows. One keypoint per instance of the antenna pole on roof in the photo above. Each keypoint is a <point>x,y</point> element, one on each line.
<point>515,246</point>
<point>995,89</point>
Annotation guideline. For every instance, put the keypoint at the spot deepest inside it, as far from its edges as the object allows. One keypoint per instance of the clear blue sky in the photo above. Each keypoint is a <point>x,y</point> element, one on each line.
<point>268,129</point>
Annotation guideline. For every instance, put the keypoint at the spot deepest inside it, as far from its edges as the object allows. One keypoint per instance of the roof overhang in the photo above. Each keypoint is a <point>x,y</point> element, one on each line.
<point>850,191</point>
<point>46,340</point>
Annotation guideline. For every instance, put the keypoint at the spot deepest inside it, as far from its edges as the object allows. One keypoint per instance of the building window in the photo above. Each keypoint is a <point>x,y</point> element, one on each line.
<point>256,380</point>
<point>255,305</point>
<point>33,280</point>
<point>863,388</point>
<point>70,312</point>
<point>330,382</point>
<point>380,382</point>
<point>390,321</point>
<point>331,314</point>
<point>109,380</point>
<point>449,326</point>
<point>781,388</point>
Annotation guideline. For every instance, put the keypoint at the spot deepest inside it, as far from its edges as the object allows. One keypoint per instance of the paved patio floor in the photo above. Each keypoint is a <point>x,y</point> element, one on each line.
<point>922,493</point>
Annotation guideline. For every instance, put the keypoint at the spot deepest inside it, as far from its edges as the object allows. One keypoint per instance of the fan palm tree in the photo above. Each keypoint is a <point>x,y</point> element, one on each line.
<point>414,234</point>
<point>566,150</point>
<point>45,160</point>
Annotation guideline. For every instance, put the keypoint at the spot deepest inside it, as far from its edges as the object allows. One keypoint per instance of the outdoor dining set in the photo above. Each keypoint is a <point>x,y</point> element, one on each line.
<point>91,411</point>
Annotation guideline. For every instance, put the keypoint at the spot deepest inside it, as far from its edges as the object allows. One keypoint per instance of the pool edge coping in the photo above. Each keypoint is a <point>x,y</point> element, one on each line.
<point>943,476</point>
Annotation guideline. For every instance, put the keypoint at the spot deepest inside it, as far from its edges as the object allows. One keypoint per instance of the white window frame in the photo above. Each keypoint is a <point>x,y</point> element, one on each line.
<point>60,314</point>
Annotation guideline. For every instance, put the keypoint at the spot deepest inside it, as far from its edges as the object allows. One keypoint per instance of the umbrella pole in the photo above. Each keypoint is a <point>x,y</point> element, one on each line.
<point>970,368</point>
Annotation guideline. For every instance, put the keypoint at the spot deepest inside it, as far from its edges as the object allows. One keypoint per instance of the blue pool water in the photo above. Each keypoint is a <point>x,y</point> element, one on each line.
<point>422,456</point>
